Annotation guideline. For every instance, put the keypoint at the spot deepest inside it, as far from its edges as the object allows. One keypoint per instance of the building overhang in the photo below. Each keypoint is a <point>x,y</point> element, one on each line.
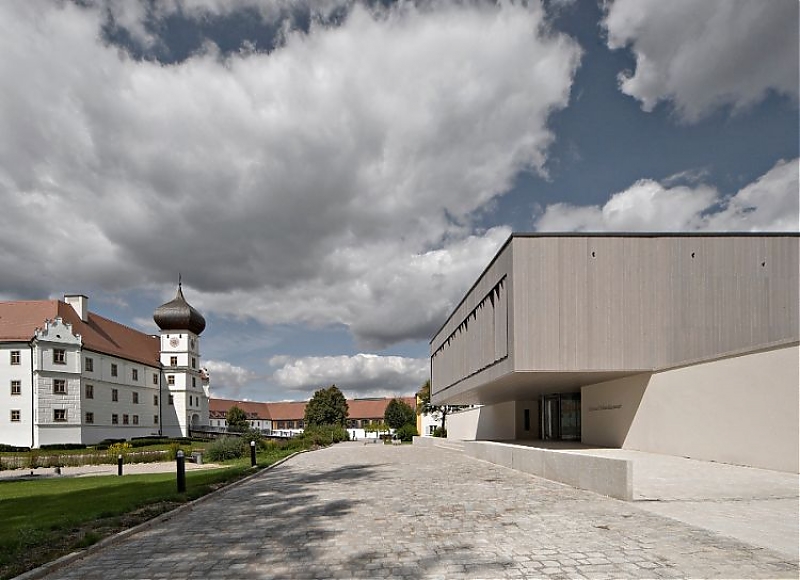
<point>520,386</point>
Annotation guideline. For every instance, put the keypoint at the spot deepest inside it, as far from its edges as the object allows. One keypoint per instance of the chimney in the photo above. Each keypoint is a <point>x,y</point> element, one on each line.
<point>79,303</point>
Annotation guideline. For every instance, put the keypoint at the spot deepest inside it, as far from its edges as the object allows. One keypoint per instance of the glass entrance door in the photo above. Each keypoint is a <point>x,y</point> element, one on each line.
<point>560,416</point>
<point>571,417</point>
<point>550,417</point>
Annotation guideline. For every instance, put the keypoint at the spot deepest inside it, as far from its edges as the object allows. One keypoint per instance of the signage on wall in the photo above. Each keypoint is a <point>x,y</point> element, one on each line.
<point>605,408</point>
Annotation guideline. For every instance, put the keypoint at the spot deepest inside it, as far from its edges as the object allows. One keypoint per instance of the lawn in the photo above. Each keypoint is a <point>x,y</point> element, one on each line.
<point>47,518</point>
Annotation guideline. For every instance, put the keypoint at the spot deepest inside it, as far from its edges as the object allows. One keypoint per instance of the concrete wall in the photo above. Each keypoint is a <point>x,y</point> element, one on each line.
<point>742,410</point>
<point>604,475</point>
<point>487,422</point>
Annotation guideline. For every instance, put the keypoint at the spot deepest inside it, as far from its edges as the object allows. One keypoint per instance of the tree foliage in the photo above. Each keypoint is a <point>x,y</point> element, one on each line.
<point>237,420</point>
<point>399,413</point>
<point>327,407</point>
<point>438,412</point>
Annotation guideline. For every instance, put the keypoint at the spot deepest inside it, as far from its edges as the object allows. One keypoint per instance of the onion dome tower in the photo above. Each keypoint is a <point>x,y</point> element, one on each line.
<point>183,401</point>
<point>177,314</point>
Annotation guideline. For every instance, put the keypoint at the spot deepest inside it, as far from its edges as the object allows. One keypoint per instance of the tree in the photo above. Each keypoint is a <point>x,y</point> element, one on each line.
<point>327,407</point>
<point>237,420</point>
<point>436,411</point>
<point>398,413</point>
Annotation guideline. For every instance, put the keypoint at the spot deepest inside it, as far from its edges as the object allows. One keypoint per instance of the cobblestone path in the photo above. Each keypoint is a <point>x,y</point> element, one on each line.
<point>356,511</point>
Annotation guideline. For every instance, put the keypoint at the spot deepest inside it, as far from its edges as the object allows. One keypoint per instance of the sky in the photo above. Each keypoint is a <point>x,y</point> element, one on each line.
<point>329,177</point>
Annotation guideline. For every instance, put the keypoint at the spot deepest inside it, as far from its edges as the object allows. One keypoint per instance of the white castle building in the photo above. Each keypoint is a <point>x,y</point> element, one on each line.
<point>68,375</point>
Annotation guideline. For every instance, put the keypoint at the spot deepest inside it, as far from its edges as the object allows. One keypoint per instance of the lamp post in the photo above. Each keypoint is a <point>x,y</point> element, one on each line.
<point>181,467</point>
<point>252,453</point>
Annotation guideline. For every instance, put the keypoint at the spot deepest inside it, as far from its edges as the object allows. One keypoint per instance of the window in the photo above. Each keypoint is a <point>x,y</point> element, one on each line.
<point>89,365</point>
<point>194,363</point>
<point>170,379</point>
<point>115,419</point>
<point>59,415</point>
<point>89,417</point>
<point>59,386</point>
<point>135,374</point>
<point>59,356</point>
<point>136,419</point>
<point>114,395</point>
<point>90,391</point>
<point>16,387</point>
<point>190,400</point>
<point>155,400</point>
<point>15,357</point>
<point>16,415</point>
<point>125,420</point>
<point>135,398</point>
<point>173,361</point>
<point>113,370</point>
<point>194,382</point>
<point>155,419</point>
<point>299,424</point>
<point>171,400</point>
<point>155,378</point>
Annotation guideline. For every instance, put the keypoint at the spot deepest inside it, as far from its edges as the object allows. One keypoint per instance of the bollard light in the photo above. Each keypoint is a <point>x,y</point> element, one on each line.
<point>119,464</point>
<point>252,453</point>
<point>181,467</point>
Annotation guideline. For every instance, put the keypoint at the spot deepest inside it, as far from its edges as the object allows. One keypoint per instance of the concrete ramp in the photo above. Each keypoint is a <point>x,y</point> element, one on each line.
<point>608,476</point>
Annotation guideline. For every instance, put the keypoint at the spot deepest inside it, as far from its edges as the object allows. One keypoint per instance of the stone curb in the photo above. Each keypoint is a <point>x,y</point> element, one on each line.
<point>55,565</point>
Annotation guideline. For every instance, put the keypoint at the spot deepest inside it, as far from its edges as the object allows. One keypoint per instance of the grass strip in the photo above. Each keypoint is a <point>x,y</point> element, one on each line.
<point>48,518</point>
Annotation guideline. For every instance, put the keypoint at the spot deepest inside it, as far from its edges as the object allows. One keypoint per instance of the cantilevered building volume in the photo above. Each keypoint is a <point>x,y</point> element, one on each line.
<point>682,344</point>
<point>68,375</point>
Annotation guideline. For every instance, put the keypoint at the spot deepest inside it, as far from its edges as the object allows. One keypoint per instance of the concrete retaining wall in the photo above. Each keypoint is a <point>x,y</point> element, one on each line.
<point>603,475</point>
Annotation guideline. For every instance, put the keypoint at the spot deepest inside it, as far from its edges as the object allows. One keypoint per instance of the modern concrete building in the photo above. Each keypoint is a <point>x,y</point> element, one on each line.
<point>680,344</point>
<point>68,375</point>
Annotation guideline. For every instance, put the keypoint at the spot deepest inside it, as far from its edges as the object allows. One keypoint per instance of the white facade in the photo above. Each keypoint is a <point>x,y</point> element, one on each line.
<point>56,389</point>
<point>66,394</point>
<point>186,404</point>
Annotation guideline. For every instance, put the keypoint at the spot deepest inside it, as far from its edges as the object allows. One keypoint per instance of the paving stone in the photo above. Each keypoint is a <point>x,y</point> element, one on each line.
<point>355,511</point>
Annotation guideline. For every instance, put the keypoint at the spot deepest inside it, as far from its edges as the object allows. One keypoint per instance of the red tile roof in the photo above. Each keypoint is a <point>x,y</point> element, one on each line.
<point>295,410</point>
<point>19,321</point>
<point>253,410</point>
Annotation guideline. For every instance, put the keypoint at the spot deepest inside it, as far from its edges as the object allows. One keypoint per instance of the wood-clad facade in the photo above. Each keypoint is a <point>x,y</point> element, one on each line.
<point>554,315</point>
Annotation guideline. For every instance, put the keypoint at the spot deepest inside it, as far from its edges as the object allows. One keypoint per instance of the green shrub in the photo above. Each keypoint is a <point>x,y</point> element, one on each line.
<point>12,449</point>
<point>323,435</point>
<point>62,446</point>
<point>119,449</point>
<point>33,458</point>
<point>226,448</point>
<point>439,432</point>
<point>172,452</point>
<point>106,443</point>
<point>407,432</point>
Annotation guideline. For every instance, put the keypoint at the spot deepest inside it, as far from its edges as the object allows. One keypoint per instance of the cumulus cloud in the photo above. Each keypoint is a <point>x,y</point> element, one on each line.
<point>361,375</point>
<point>701,55</point>
<point>768,204</point>
<point>228,380</point>
<point>344,167</point>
